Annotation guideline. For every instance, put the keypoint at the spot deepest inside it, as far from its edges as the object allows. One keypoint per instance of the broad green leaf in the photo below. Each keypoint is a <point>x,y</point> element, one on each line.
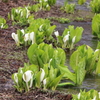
<point>67,73</point>
<point>37,80</point>
<point>98,67</point>
<point>77,56</point>
<point>80,72</point>
<point>52,73</point>
<point>75,59</point>
<point>31,51</point>
<point>55,82</point>
<point>65,84</point>
<point>78,34</point>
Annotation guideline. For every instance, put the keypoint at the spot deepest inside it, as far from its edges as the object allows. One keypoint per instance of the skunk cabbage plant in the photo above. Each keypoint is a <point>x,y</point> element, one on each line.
<point>70,37</point>
<point>23,79</point>
<point>44,53</point>
<point>91,59</point>
<point>38,31</point>
<point>19,15</point>
<point>42,28</point>
<point>89,95</point>
<point>68,8</point>
<point>96,25</point>
<point>3,24</point>
<point>80,2</point>
<point>49,2</point>
<point>30,77</point>
<point>95,6</point>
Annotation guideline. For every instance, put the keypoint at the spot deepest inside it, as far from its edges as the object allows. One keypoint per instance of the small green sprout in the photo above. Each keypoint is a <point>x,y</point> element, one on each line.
<point>68,8</point>
<point>95,6</point>
<point>80,2</point>
<point>3,24</point>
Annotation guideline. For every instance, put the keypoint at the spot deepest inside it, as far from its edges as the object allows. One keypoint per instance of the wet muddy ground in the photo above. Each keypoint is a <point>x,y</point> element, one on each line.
<point>13,57</point>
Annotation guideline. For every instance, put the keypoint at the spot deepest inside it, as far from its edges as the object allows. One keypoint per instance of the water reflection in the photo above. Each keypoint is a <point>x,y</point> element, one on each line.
<point>91,83</point>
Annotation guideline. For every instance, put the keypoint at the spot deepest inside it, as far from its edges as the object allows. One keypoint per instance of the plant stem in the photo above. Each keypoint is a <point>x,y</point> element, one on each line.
<point>27,86</point>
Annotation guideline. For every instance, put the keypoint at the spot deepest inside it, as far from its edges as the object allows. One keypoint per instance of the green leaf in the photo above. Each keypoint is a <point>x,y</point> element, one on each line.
<point>52,73</point>
<point>98,67</point>
<point>76,56</point>
<point>55,82</point>
<point>80,72</point>
<point>67,73</point>
<point>37,80</point>
<point>50,31</point>
<point>31,52</point>
<point>78,33</point>
<point>65,84</point>
<point>80,2</point>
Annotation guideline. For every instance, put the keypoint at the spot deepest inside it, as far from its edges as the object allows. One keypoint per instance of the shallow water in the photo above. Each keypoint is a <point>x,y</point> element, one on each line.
<point>90,82</point>
<point>85,6</point>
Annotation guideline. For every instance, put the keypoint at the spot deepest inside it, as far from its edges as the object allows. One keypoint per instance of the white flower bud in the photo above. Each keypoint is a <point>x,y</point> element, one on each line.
<point>16,78</point>
<point>44,82</point>
<point>22,30</point>
<point>27,76</point>
<point>15,37</point>
<point>42,75</point>
<point>73,40</point>
<point>32,37</point>
<point>56,33</point>
<point>66,38</point>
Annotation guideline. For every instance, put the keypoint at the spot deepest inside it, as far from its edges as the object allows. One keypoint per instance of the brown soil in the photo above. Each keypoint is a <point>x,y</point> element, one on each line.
<point>13,57</point>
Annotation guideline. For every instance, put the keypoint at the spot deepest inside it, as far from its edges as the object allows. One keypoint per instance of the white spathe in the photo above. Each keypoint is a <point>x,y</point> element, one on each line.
<point>2,25</point>
<point>27,12</point>
<point>73,40</point>
<point>16,78</point>
<point>27,76</point>
<point>21,13</point>
<point>30,36</point>
<point>18,10</point>
<point>79,95</point>
<point>99,94</point>
<point>44,81</point>
<point>42,75</point>
<point>56,33</point>
<point>47,5</point>
<point>66,38</point>
<point>15,37</point>
<point>40,28</point>
<point>96,50</point>
<point>94,98</point>
<point>22,30</point>
<point>26,37</point>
